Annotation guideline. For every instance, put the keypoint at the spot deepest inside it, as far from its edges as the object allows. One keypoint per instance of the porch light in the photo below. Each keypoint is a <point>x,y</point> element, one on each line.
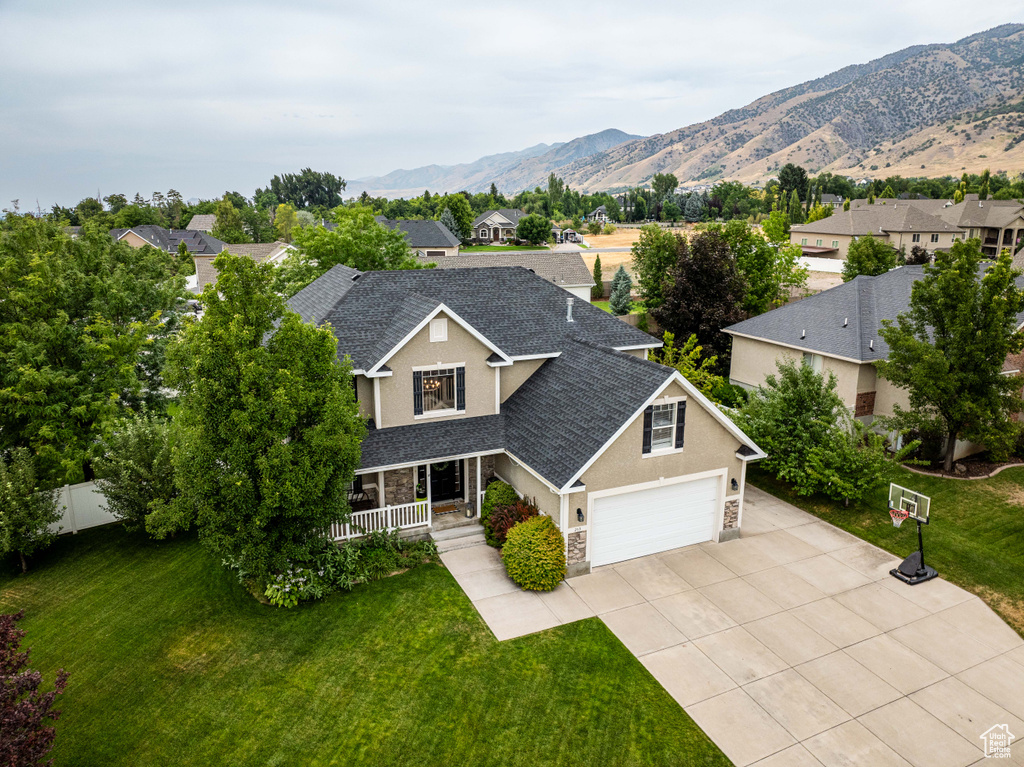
<point>735,484</point>
<point>579,515</point>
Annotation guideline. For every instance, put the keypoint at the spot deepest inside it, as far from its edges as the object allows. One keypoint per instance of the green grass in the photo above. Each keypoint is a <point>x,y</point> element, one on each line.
<point>636,308</point>
<point>975,538</point>
<point>172,662</point>
<point>501,248</point>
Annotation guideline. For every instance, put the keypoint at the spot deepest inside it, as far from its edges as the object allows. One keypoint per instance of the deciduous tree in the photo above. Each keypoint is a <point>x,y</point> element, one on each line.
<point>268,429</point>
<point>688,359</point>
<point>663,184</point>
<point>229,226</point>
<point>285,221</point>
<point>947,350</point>
<point>26,509</point>
<point>459,207</point>
<point>26,714</point>
<point>772,272</point>
<point>534,228</point>
<point>654,255</point>
<point>869,256</point>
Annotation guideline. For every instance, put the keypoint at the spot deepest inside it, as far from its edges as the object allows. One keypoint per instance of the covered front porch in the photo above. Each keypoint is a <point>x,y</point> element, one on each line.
<point>429,495</point>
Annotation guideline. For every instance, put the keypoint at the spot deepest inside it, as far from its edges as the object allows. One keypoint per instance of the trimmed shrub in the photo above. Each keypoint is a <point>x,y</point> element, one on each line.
<point>497,494</point>
<point>503,518</point>
<point>534,554</point>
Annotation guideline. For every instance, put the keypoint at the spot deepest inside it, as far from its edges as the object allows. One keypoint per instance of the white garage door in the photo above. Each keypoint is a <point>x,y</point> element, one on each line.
<point>648,521</point>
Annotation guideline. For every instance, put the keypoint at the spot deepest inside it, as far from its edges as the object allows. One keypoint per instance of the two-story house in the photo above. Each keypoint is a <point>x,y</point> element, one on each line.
<point>496,225</point>
<point>468,374</point>
<point>599,214</point>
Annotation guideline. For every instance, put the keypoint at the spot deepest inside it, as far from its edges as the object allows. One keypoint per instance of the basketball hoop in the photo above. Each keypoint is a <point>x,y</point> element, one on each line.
<point>898,515</point>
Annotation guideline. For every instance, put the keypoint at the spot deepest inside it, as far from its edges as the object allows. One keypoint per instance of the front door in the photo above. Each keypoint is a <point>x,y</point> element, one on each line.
<point>445,481</point>
<point>496,234</point>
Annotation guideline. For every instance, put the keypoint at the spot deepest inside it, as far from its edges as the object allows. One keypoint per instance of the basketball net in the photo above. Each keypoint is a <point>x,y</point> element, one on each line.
<point>898,515</point>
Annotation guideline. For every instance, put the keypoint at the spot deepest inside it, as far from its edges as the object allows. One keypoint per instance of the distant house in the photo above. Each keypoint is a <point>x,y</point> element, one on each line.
<point>496,225</point>
<point>566,269</point>
<point>599,214</point>
<point>897,224</point>
<point>270,252</point>
<point>426,238</point>
<point>198,243</point>
<point>203,222</point>
<point>833,201</point>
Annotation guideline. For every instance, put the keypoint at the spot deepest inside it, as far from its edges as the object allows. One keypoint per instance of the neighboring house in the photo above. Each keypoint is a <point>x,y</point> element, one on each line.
<point>203,222</point>
<point>599,214</point>
<point>198,243</point>
<point>430,239</point>
<point>468,374</point>
<point>270,252</point>
<point>836,331</point>
<point>998,224</point>
<point>897,224</point>
<point>565,269</point>
<point>833,201</point>
<point>496,225</point>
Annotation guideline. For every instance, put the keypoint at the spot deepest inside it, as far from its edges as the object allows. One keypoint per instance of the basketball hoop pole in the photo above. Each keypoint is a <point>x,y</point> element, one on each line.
<point>922,570</point>
<point>913,570</point>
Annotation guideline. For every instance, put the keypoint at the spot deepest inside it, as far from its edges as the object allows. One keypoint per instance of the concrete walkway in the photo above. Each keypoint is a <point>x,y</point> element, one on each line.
<point>792,645</point>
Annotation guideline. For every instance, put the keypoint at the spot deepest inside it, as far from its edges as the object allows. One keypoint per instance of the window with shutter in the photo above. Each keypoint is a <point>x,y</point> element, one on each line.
<point>680,422</point>
<point>439,392</point>
<point>648,418</point>
<point>417,392</point>
<point>460,388</point>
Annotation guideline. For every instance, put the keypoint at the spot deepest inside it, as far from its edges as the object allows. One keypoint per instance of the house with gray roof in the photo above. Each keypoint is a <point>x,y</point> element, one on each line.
<point>271,252</point>
<point>465,374</point>
<point>566,269</point>
<point>429,239</point>
<point>599,214</point>
<point>898,224</point>
<point>837,331</point>
<point>197,243</point>
<point>496,225</point>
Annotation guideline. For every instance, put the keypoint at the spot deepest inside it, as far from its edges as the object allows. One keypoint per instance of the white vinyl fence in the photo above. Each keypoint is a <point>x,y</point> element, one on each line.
<point>815,264</point>
<point>399,517</point>
<point>84,507</point>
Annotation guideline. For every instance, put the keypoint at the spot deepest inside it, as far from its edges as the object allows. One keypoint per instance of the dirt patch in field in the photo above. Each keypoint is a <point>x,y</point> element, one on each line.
<point>609,262</point>
<point>620,238</point>
<point>1016,496</point>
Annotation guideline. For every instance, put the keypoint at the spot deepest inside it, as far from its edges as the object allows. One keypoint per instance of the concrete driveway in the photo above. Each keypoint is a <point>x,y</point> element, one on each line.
<point>793,645</point>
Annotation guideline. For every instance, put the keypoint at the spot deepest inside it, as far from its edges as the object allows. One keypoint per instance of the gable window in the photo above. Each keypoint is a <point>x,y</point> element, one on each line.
<point>664,426</point>
<point>935,238</point>
<point>916,238</point>
<point>438,329</point>
<point>441,391</point>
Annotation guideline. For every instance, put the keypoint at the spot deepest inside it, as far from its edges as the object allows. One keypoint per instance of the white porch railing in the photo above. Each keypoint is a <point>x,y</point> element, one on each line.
<point>399,517</point>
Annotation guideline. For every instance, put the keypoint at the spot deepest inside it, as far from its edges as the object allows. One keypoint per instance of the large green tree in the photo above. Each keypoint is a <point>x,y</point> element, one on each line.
<point>663,184</point>
<point>26,509</point>
<point>772,271</point>
<point>268,429</point>
<point>948,349</point>
<point>534,228</point>
<point>306,189</point>
<point>620,301</point>
<point>357,241</point>
<point>83,327</point>
<point>870,256</point>
<point>704,293</point>
<point>458,206</point>
<point>654,255</point>
<point>229,225</point>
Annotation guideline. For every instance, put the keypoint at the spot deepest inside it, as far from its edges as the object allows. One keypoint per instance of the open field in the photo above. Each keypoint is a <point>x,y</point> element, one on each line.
<point>974,538</point>
<point>173,663</point>
<point>620,238</point>
<point>501,248</point>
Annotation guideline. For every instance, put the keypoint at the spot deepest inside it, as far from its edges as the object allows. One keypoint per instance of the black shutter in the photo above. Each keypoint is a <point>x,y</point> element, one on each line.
<point>680,422</point>
<point>417,392</point>
<point>460,388</point>
<point>648,419</point>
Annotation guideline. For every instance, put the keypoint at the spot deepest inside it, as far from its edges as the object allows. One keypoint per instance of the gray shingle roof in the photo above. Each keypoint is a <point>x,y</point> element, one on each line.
<point>876,219</point>
<point>422,234</point>
<point>431,440</point>
<point>517,311</point>
<point>198,243</point>
<point>861,303</point>
<point>573,404</point>
<point>512,214</point>
<point>564,269</point>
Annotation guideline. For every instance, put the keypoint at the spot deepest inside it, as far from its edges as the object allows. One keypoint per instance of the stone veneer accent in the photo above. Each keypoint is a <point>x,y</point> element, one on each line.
<point>486,472</point>
<point>865,404</point>
<point>732,514</point>
<point>399,487</point>
<point>577,547</point>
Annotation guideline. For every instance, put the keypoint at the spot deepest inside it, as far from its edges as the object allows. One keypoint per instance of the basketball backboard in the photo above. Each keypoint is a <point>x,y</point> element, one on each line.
<point>916,505</point>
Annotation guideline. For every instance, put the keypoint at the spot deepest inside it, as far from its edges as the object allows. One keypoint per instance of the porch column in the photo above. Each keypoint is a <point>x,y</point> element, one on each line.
<point>430,499</point>
<point>380,489</point>
<point>463,473</point>
<point>479,490</point>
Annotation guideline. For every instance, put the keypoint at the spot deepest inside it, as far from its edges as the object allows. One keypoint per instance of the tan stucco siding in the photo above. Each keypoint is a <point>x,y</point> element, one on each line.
<point>708,446</point>
<point>461,348</point>
<point>527,484</point>
<point>513,376</point>
<point>847,378</point>
<point>887,395</point>
<point>134,240</point>
<point>867,378</point>
<point>841,241</point>
<point>364,391</point>
<point>754,360</point>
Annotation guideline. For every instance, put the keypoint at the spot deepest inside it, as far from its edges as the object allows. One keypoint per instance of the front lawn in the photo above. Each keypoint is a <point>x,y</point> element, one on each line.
<point>172,662</point>
<point>975,538</point>
<point>501,248</point>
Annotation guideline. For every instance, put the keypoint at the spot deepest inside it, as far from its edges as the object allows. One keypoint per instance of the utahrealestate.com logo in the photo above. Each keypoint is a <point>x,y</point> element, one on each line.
<point>997,742</point>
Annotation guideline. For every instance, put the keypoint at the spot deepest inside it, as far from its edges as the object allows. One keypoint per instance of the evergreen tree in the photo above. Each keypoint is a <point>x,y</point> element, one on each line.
<point>620,302</point>
<point>887,193</point>
<point>694,210</point>
<point>983,188</point>
<point>796,213</point>
<point>846,205</point>
<point>597,292</point>
<point>448,221</point>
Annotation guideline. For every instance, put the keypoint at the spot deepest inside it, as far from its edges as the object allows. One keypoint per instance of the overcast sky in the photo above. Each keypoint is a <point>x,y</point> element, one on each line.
<point>204,97</point>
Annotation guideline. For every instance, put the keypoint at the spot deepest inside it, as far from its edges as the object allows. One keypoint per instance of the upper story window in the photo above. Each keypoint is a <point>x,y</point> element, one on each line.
<point>935,238</point>
<point>438,329</point>
<point>803,241</point>
<point>835,243</point>
<point>818,243</point>
<point>814,361</point>
<point>441,391</point>
<point>664,426</point>
<point>916,238</point>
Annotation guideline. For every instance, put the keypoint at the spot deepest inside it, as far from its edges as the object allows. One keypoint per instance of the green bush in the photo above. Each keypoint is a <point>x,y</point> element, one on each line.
<point>497,494</point>
<point>503,518</point>
<point>378,563</point>
<point>729,394</point>
<point>534,554</point>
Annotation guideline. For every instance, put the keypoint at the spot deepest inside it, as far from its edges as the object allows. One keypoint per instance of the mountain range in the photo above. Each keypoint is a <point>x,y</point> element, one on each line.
<point>927,110</point>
